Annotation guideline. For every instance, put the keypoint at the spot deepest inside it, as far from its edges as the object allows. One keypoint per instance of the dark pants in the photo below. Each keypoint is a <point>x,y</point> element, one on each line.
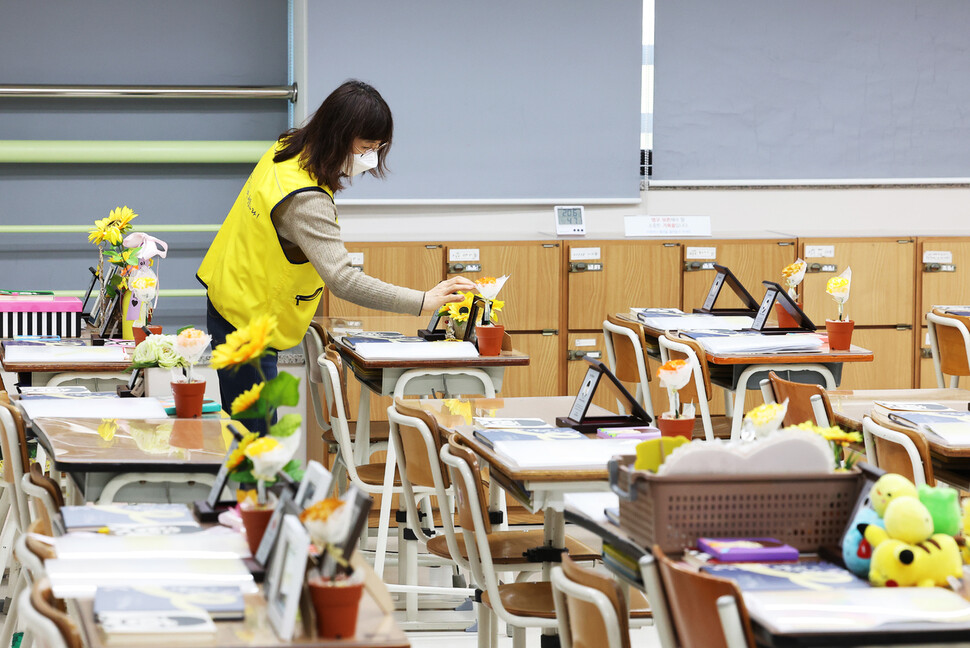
<point>233,382</point>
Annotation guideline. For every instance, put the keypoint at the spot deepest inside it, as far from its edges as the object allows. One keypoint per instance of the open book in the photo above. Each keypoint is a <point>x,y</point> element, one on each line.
<point>952,426</point>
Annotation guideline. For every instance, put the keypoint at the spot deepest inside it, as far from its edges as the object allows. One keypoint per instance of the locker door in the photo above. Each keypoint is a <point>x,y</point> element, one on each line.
<point>542,375</point>
<point>893,365</point>
<point>944,273</point>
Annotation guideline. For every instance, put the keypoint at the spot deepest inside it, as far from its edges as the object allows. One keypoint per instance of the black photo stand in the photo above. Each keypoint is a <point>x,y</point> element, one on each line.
<point>725,276</point>
<point>208,510</point>
<point>773,293</point>
<point>432,333</point>
<point>577,418</point>
<point>85,313</point>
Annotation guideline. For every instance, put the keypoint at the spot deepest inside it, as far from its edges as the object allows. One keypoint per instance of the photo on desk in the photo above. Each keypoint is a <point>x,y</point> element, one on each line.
<point>314,486</point>
<point>284,580</point>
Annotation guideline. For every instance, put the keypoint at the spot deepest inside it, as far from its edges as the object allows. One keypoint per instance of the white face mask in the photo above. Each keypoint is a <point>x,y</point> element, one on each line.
<point>361,162</point>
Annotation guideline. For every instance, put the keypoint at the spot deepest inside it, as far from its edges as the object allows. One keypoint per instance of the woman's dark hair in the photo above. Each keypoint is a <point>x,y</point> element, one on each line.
<point>354,110</point>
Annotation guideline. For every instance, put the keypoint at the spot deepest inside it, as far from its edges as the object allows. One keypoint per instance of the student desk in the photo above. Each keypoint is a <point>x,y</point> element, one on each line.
<point>902,634</point>
<point>25,370</point>
<point>386,377</point>
<point>103,454</point>
<point>950,462</point>
<point>738,372</point>
<point>538,490</point>
<point>374,629</point>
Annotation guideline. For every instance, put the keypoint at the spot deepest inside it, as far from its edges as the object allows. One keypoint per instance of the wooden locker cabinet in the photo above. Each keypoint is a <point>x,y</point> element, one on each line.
<point>893,365</point>
<point>944,273</point>
<point>751,260</point>
<point>613,276</point>
<point>883,280</point>
<point>414,265</point>
<point>926,378</point>
<point>532,292</point>
<point>542,376</point>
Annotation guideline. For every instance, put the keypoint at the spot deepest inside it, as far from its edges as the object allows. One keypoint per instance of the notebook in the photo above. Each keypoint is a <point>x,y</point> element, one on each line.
<point>551,434</point>
<point>96,517</point>
<point>219,602</point>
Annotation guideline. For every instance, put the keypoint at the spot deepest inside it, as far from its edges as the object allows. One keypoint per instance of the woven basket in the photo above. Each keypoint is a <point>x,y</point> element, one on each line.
<point>805,511</point>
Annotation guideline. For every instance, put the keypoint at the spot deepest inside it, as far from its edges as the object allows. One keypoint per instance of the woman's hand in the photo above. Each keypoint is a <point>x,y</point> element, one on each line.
<point>445,293</point>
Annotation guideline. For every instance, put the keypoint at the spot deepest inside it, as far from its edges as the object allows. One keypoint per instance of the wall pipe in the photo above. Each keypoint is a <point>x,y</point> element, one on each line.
<point>132,151</point>
<point>149,92</point>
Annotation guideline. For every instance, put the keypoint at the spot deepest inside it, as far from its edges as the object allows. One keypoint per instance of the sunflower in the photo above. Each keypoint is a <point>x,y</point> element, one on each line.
<point>245,345</point>
<point>238,454</point>
<point>247,399</point>
<point>459,311</point>
<point>121,217</point>
<point>105,230</point>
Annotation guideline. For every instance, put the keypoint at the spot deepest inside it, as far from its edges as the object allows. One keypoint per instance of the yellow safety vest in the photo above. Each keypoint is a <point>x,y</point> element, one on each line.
<point>245,271</point>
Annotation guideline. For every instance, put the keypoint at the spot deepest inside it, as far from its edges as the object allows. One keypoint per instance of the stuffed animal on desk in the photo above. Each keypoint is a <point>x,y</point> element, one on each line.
<point>887,488</point>
<point>943,504</point>
<point>856,550</point>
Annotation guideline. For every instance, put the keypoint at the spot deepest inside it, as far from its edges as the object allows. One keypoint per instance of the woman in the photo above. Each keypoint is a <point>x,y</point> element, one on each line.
<point>281,242</point>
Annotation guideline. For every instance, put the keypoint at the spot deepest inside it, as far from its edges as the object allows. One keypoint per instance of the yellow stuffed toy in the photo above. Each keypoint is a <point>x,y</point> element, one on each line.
<point>887,488</point>
<point>898,564</point>
<point>907,519</point>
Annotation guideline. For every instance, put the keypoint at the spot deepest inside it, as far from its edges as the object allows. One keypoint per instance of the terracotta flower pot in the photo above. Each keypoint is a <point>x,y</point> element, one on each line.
<point>139,333</point>
<point>255,522</point>
<point>676,427</point>
<point>784,319</point>
<point>840,334</point>
<point>188,398</point>
<point>490,339</point>
<point>336,608</point>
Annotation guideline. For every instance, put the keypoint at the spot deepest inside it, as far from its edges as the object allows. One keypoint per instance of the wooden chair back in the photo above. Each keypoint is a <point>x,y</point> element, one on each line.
<point>39,479</point>
<point>463,496</point>
<point>18,435</point>
<point>952,343</point>
<point>626,353</point>
<point>898,450</point>
<point>46,497</point>
<point>42,600</point>
<point>586,623</point>
<point>799,397</point>
<point>692,597</point>
<point>418,455</point>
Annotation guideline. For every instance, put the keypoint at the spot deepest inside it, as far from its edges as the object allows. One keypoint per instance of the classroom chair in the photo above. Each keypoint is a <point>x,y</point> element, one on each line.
<point>45,496</point>
<point>806,402</point>
<point>520,604</point>
<point>590,608</point>
<point>699,389</point>
<point>94,381</point>
<point>626,350</point>
<point>31,552</point>
<point>313,347</point>
<point>950,345</point>
<point>904,452</point>
<point>693,598</point>
<point>52,627</point>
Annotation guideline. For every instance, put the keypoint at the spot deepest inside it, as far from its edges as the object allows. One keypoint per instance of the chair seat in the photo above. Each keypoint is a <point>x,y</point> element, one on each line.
<point>507,547</point>
<point>535,600</point>
<point>373,474</point>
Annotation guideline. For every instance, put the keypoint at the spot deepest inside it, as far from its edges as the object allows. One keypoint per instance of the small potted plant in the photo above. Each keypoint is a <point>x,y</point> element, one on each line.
<point>679,421</point>
<point>489,334</point>
<point>459,312</point>
<point>793,274</point>
<point>840,330</point>
<point>258,460</point>
<point>335,587</point>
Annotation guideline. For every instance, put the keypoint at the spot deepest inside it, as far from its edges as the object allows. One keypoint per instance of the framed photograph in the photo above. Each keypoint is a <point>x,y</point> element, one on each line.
<point>315,485</point>
<point>286,506</point>
<point>284,580</point>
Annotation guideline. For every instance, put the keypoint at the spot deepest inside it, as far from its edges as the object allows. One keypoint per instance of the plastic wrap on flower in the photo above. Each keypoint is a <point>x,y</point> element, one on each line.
<point>191,344</point>
<point>489,287</point>
<point>765,419</point>
<point>839,287</point>
<point>143,284</point>
<point>269,454</point>
<point>328,521</point>
<point>793,274</point>
<point>674,374</point>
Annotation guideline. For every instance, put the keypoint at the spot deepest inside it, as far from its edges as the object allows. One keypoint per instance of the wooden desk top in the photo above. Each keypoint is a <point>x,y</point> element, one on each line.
<point>37,367</point>
<point>455,415</point>
<point>374,628</point>
<point>825,356</point>
<point>133,445</point>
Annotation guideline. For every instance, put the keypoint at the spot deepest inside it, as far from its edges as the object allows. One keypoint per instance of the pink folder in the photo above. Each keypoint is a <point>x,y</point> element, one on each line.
<point>39,304</point>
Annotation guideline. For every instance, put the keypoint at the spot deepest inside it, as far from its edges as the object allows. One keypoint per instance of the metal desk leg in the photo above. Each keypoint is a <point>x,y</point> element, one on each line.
<point>362,429</point>
<point>386,497</point>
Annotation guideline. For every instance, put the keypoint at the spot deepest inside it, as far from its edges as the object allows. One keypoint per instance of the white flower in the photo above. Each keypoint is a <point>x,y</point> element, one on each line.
<point>331,530</point>
<point>490,290</point>
<point>675,374</point>
<point>191,344</point>
<point>269,454</point>
<point>157,350</point>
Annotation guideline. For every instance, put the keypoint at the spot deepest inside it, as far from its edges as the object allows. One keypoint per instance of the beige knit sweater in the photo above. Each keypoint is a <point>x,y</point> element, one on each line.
<point>308,230</point>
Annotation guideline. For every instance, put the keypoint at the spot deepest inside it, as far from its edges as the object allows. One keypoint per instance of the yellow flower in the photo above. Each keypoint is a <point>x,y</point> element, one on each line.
<point>246,344</point>
<point>238,454</point>
<point>459,311</point>
<point>262,445</point>
<point>486,281</point>
<point>247,399</point>
<point>792,269</point>
<point>107,429</point>
<point>765,413</point>
<point>836,285</point>
<point>121,217</point>
<point>105,230</point>
<point>460,407</point>
<point>321,510</point>
<point>834,433</point>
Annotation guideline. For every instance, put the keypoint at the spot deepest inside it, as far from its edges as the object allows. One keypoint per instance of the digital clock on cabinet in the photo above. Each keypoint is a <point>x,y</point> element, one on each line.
<point>570,220</point>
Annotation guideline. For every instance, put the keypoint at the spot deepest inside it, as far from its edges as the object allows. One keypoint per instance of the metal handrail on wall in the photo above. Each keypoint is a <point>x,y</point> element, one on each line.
<point>149,92</point>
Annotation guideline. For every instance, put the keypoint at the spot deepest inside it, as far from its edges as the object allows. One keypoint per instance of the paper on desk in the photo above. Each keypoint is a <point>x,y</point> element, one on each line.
<point>577,454</point>
<point>717,342</point>
<point>66,353</point>
<point>130,408</point>
<point>438,350</point>
<point>698,322</point>
<point>215,543</point>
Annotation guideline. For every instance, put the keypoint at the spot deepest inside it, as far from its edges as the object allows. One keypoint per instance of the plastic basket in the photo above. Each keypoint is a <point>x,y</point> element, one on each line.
<point>806,511</point>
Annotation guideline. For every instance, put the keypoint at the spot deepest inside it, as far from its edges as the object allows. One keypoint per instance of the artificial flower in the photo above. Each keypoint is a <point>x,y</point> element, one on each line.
<point>121,217</point>
<point>460,407</point>
<point>327,521</point>
<point>190,343</point>
<point>839,441</point>
<point>793,274</point>
<point>674,374</point>
<point>270,454</point>
<point>764,419</point>
<point>144,286</point>
<point>489,287</point>
<point>459,311</point>
<point>839,287</point>
<point>105,230</point>
<point>237,456</point>
<point>246,344</point>
<point>157,351</point>
<point>247,399</point>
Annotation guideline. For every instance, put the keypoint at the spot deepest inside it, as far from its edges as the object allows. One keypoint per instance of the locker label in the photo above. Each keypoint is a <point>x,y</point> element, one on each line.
<point>819,251</point>
<point>694,252</point>
<point>584,253</point>
<point>585,342</point>
<point>463,254</point>
<point>937,256</point>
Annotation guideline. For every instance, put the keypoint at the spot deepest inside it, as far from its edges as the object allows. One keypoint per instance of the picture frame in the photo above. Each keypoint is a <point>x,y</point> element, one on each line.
<point>286,506</point>
<point>284,579</point>
<point>723,275</point>
<point>99,307</point>
<point>314,486</point>
<point>774,292</point>
<point>577,417</point>
<point>431,332</point>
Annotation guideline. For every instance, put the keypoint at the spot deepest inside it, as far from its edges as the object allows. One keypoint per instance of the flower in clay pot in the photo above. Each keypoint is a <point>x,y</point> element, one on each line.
<point>190,343</point>
<point>793,274</point>
<point>839,287</point>
<point>674,376</point>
